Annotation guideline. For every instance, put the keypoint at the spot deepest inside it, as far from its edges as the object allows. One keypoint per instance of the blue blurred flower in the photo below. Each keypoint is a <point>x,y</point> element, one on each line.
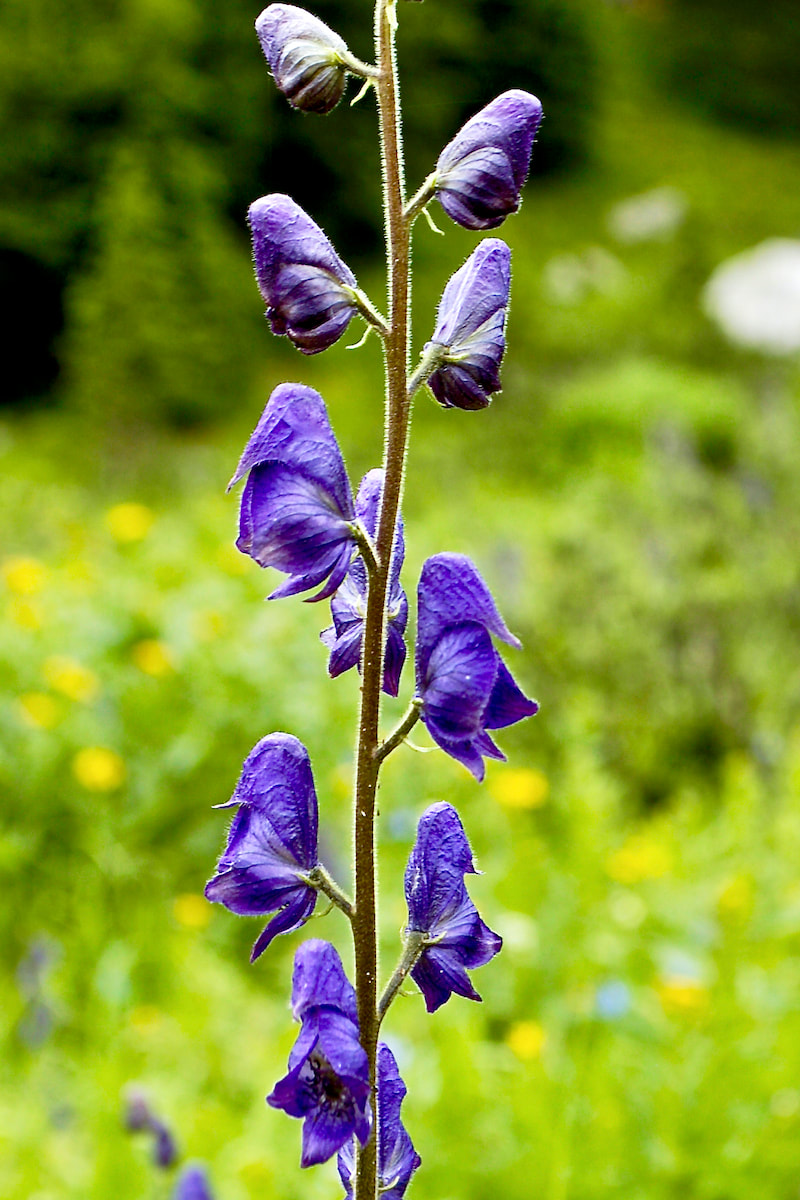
<point>481,171</point>
<point>613,999</point>
<point>455,938</point>
<point>192,1184</point>
<point>297,511</point>
<point>272,842</point>
<point>349,606</point>
<point>305,56</point>
<point>469,338</point>
<point>397,1158</point>
<point>307,288</point>
<point>464,685</point>
<point>327,1084</point>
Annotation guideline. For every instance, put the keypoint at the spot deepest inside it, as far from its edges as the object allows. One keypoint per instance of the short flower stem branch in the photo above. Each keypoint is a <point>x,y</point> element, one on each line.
<point>420,199</point>
<point>401,732</point>
<point>431,358</point>
<point>414,945</point>
<point>319,878</point>
<point>356,67</point>
<point>367,549</point>
<point>395,442</point>
<point>369,312</point>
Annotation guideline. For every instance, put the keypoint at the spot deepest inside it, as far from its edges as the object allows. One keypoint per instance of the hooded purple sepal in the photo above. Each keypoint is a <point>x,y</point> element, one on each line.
<point>469,337</point>
<point>327,1084</point>
<point>456,939</point>
<point>306,286</point>
<point>272,841</point>
<point>297,509</point>
<point>480,173</point>
<point>464,685</point>
<point>192,1184</point>
<point>397,1158</point>
<point>305,56</point>
<point>348,607</point>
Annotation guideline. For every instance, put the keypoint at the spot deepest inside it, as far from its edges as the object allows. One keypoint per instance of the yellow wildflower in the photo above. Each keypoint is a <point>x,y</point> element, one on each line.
<point>71,678</point>
<point>39,710</point>
<point>153,657</point>
<point>192,910</point>
<point>98,769</point>
<point>24,614</point>
<point>145,1018</point>
<point>522,787</point>
<point>736,897</point>
<point>526,1039</point>
<point>641,857</point>
<point>682,996</point>
<point>129,522</point>
<point>23,576</point>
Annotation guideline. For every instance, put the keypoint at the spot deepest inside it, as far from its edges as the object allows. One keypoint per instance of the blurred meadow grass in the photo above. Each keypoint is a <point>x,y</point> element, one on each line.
<point>632,497</point>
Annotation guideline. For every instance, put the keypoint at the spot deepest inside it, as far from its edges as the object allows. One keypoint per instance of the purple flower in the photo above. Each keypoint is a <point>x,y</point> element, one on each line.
<point>139,1117</point>
<point>327,1084</point>
<point>307,288</point>
<point>480,173</point>
<point>297,508</point>
<point>464,686</point>
<point>307,59</point>
<point>455,938</point>
<point>192,1184</point>
<point>397,1158</point>
<point>348,607</point>
<point>469,334</point>
<point>272,842</point>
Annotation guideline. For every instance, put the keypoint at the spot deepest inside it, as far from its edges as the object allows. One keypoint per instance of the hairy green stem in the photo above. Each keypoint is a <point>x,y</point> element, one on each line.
<point>319,878</point>
<point>395,441</point>
<point>413,946</point>
<point>401,732</point>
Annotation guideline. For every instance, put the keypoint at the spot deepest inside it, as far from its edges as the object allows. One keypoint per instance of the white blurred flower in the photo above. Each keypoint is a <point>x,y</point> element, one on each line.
<point>648,217</point>
<point>571,278</point>
<point>754,297</point>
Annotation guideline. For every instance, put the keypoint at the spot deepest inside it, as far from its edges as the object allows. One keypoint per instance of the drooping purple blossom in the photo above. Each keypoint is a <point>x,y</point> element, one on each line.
<point>297,509</point>
<point>140,1118</point>
<point>307,59</point>
<point>470,329</point>
<point>307,288</point>
<point>455,937</point>
<point>327,1085</point>
<point>272,841</point>
<point>397,1158</point>
<point>465,687</point>
<point>192,1184</point>
<point>349,606</point>
<point>480,173</point>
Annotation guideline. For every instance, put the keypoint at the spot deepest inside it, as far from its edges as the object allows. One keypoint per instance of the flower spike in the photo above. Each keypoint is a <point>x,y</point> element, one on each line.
<point>309,292</point>
<point>272,842</point>
<point>297,512</point>
<point>469,338</point>
<point>463,685</point>
<point>480,173</point>
<point>454,936</point>
<point>327,1084</point>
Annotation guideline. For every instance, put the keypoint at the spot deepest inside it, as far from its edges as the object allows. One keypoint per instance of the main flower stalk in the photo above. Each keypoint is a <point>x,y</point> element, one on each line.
<point>398,407</point>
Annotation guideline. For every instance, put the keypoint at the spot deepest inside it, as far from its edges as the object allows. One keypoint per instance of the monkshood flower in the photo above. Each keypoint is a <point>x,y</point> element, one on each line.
<point>327,1084</point>
<point>307,59</point>
<point>139,1118</point>
<point>469,338</point>
<point>349,606</point>
<point>308,290</point>
<point>297,509</point>
<point>455,939</point>
<point>272,842</point>
<point>397,1158</point>
<point>463,685</point>
<point>480,173</point>
<point>192,1184</point>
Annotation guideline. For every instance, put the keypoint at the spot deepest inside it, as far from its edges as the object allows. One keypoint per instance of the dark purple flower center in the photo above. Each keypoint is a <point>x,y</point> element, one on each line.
<point>322,1087</point>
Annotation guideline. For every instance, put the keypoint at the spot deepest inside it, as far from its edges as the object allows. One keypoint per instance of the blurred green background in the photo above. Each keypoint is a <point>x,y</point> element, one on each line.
<point>632,497</point>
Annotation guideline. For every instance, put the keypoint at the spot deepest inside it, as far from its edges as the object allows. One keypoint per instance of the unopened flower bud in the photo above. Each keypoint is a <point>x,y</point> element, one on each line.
<point>480,173</point>
<point>307,59</point>
<point>309,291</point>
